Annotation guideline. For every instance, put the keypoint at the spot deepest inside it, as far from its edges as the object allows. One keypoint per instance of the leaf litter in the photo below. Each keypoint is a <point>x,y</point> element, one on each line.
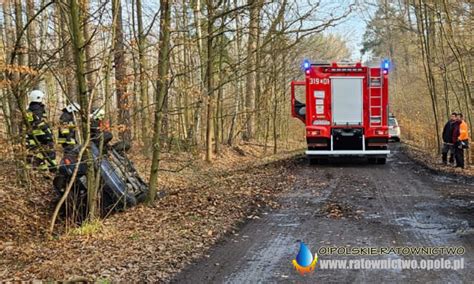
<point>201,204</point>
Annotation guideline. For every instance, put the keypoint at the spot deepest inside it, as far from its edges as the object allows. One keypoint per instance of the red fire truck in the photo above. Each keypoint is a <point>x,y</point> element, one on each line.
<point>345,110</point>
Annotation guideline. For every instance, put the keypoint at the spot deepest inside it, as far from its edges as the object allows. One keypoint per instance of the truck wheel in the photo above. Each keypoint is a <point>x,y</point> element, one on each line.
<point>324,161</point>
<point>381,161</point>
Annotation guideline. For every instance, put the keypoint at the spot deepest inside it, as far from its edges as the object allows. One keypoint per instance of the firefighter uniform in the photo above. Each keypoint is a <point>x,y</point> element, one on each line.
<point>100,129</point>
<point>67,131</point>
<point>39,139</point>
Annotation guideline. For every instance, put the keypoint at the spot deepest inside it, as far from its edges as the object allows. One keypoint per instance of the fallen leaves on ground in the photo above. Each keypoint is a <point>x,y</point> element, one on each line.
<point>153,243</point>
<point>433,162</point>
<point>337,210</point>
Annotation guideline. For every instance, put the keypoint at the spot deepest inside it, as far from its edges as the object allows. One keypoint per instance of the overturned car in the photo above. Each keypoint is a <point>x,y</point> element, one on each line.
<point>120,185</point>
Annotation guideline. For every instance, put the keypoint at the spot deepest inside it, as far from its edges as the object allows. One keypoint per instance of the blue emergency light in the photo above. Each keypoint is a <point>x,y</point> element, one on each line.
<point>306,64</point>
<point>386,66</point>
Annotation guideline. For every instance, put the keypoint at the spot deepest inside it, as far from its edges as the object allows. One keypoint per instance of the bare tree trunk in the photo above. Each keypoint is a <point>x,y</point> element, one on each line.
<point>209,79</point>
<point>194,128</point>
<point>67,62</point>
<point>8,102</point>
<point>251,66</point>
<point>18,84</point>
<point>219,107</point>
<point>161,93</point>
<point>424,33</point>
<point>31,34</point>
<point>120,74</point>
<point>238,93</point>
<point>90,78</point>
<point>450,39</point>
<point>144,114</point>
<point>77,37</point>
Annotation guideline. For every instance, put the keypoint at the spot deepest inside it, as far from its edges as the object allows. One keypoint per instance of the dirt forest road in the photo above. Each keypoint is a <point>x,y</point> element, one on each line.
<point>351,205</point>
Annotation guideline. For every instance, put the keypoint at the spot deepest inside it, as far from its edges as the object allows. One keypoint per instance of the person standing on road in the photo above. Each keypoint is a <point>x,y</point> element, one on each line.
<point>463,135</point>
<point>448,146</point>
<point>458,149</point>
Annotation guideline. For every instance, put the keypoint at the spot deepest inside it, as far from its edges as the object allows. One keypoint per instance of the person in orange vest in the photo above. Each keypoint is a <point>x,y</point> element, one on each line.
<point>461,140</point>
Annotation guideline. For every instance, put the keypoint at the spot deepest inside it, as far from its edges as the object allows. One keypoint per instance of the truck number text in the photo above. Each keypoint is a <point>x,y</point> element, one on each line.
<point>317,81</point>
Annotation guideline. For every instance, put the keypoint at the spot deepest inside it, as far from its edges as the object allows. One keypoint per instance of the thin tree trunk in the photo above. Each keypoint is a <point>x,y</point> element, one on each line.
<point>31,33</point>
<point>161,92</point>
<point>144,114</point>
<point>8,102</point>
<point>194,128</point>
<point>233,123</point>
<point>423,34</point>
<point>251,66</point>
<point>209,79</point>
<point>120,74</point>
<point>67,61</point>
<point>77,37</point>
<point>17,88</point>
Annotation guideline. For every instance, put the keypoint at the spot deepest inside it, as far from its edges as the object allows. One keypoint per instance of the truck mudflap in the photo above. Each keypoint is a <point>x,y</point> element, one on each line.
<point>346,152</point>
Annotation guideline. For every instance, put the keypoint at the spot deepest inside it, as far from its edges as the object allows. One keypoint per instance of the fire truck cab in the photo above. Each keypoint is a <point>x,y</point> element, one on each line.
<point>345,110</point>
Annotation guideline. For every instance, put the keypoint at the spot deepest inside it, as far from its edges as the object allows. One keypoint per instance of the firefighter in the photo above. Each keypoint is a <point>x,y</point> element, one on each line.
<point>100,129</point>
<point>39,137</point>
<point>448,146</point>
<point>67,129</point>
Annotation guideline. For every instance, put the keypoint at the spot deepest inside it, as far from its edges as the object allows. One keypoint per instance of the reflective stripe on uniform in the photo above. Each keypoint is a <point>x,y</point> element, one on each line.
<point>43,167</point>
<point>65,131</point>
<point>29,116</point>
<point>38,132</point>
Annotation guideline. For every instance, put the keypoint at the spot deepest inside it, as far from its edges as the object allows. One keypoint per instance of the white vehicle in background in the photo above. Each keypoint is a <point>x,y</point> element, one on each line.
<point>393,129</point>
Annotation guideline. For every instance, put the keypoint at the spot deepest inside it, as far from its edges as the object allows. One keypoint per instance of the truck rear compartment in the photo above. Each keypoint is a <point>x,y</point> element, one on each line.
<point>345,110</point>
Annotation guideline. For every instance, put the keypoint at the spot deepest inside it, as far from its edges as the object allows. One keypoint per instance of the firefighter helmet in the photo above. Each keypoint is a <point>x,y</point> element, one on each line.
<point>36,96</point>
<point>73,107</point>
<point>98,114</point>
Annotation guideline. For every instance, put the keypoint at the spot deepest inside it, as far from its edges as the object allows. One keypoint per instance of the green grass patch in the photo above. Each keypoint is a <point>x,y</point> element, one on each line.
<point>88,228</point>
